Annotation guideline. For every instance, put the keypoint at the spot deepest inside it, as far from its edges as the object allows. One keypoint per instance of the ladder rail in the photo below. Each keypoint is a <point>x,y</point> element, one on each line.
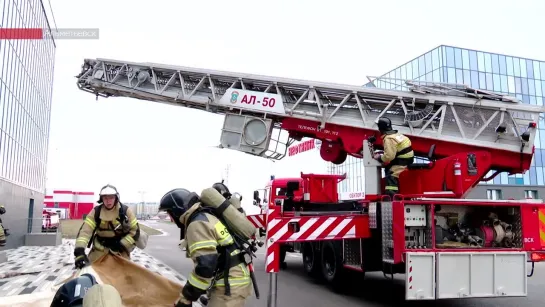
<point>429,113</point>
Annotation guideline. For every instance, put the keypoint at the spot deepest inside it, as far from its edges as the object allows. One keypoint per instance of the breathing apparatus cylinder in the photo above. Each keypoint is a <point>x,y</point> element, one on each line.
<point>236,220</point>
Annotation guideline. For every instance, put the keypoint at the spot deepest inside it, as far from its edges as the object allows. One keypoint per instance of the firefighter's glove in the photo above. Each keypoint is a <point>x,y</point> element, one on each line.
<point>81,259</point>
<point>183,302</point>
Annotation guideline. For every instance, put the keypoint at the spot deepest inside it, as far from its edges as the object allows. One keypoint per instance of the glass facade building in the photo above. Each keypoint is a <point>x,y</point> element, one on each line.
<point>26,87</point>
<point>511,75</point>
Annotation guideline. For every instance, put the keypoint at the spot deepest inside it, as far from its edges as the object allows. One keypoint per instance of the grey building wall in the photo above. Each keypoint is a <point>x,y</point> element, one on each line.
<point>26,86</point>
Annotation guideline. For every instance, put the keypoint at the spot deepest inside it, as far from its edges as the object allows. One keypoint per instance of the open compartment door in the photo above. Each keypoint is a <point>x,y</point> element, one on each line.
<point>420,276</point>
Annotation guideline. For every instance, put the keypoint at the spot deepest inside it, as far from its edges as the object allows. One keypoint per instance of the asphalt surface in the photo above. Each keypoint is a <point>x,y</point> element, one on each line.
<point>295,289</point>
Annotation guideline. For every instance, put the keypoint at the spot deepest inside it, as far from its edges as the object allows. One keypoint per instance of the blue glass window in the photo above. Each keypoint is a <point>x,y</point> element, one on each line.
<point>474,79</point>
<point>459,76</point>
<point>537,74</point>
<point>480,57</point>
<point>530,69</point>
<point>516,67</point>
<point>503,66</point>
<point>487,62</point>
<point>533,176</point>
<point>523,72</point>
<point>482,81</point>
<point>409,68</point>
<point>421,66</point>
<point>531,87</point>
<point>539,175</point>
<point>504,86</point>
<point>497,83</point>
<point>495,64</point>
<point>465,59</point>
<point>542,70</point>
<point>526,99</point>
<point>511,83</point>
<point>416,73</point>
<point>467,77</point>
<point>524,83</point>
<point>489,84</point>
<point>435,59</point>
<point>451,75</point>
<point>436,75</point>
<point>429,66</point>
<point>537,86</point>
<point>458,58</point>
<point>450,56</point>
<point>473,60</point>
<point>509,64</point>
<point>518,86</point>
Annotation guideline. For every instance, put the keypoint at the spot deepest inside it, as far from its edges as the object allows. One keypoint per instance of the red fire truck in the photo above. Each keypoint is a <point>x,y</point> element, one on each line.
<point>447,246</point>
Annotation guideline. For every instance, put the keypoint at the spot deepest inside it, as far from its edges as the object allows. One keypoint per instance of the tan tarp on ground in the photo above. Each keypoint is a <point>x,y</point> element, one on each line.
<point>138,286</point>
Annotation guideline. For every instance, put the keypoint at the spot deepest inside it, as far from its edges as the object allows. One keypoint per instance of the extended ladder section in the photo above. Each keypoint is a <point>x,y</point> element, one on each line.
<point>458,117</point>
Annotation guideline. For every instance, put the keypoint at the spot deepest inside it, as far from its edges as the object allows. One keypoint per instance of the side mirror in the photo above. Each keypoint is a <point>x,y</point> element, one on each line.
<point>256,195</point>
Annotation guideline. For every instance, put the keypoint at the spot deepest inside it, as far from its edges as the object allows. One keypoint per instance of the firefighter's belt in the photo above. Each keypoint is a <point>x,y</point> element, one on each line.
<point>402,161</point>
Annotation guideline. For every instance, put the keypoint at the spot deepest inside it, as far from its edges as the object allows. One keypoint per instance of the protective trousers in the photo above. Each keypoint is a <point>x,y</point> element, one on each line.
<point>392,179</point>
<point>238,297</point>
<point>2,236</point>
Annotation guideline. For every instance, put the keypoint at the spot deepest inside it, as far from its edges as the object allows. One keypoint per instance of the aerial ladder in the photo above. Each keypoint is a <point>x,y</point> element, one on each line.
<point>465,133</point>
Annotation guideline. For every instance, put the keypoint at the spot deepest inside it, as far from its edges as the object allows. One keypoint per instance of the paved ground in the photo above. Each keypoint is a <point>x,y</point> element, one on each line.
<point>295,289</point>
<point>54,264</point>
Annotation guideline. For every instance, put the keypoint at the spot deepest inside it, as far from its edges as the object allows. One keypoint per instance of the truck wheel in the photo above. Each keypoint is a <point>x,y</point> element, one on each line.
<point>332,265</point>
<point>311,260</point>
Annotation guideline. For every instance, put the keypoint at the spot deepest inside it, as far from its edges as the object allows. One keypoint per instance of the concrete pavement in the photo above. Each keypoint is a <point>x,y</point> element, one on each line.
<point>295,289</point>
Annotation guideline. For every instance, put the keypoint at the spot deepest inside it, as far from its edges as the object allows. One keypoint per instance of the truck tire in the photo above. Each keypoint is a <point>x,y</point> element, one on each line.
<point>332,265</point>
<point>311,260</point>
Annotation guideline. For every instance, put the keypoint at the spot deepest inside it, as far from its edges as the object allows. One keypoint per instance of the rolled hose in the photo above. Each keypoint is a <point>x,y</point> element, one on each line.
<point>487,235</point>
<point>499,234</point>
<point>507,227</point>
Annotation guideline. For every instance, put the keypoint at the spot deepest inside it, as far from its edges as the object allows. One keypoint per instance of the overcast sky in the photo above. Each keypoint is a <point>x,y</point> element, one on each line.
<point>147,146</point>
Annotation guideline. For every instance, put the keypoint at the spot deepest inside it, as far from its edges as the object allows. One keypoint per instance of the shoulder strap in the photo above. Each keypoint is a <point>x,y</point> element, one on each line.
<point>123,211</point>
<point>97,215</point>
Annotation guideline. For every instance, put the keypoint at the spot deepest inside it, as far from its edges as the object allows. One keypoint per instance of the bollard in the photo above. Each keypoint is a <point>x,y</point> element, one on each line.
<point>272,263</point>
<point>273,284</point>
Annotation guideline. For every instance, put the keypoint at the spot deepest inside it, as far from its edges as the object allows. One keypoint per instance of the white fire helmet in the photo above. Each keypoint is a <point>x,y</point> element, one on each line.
<point>108,190</point>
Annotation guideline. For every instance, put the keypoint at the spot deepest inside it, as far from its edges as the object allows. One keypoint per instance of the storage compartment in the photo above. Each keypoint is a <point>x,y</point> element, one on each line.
<point>462,226</point>
<point>477,226</point>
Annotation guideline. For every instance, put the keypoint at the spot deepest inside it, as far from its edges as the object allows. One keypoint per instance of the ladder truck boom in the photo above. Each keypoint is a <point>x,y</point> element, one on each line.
<point>453,118</point>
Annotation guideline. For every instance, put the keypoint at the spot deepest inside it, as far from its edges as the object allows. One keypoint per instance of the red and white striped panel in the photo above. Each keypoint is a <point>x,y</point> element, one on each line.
<point>258,220</point>
<point>314,228</point>
<point>311,229</point>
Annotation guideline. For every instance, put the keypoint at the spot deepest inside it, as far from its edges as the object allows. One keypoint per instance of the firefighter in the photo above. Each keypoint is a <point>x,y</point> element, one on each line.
<point>397,156</point>
<point>110,227</point>
<point>219,265</point>
<point>3,232</point>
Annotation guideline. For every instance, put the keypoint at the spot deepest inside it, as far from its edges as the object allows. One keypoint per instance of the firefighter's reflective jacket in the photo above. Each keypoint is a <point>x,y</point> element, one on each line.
<point>113,229</point>
<point>216,258</point>
<point>397,152</point>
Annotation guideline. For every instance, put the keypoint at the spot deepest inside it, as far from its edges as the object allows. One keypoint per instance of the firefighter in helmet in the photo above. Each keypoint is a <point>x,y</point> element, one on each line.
<point>219,265</point>
<point>110,227</point>
<point>397,156</point>
<point>3,232</point>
